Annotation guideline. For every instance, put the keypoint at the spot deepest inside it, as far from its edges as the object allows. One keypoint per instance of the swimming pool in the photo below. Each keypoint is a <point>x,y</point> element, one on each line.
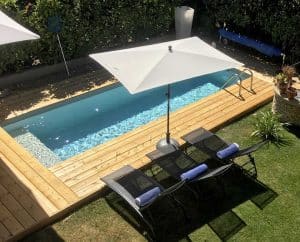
<point>61,131</point>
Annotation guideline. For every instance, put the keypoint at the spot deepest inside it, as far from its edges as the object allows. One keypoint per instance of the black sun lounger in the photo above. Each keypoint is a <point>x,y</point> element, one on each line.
<point>211,143</point>
<point>139,191</point>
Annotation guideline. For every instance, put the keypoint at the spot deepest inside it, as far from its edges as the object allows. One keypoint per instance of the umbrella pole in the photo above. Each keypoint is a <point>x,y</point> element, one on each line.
<point>167,145</point>
<point>168,94</point>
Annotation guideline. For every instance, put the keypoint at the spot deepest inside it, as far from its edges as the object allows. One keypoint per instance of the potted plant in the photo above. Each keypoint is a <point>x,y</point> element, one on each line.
<point>289,72</point>
<point>268,127</point>
<point>282,82</point>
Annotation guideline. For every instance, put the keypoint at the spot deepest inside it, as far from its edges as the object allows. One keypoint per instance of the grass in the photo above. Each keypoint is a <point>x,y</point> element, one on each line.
<point>278,168</point>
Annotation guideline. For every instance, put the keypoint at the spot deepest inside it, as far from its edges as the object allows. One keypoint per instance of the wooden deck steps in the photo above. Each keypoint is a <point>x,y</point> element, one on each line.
<point>82,172</point>
<point>29,193</point>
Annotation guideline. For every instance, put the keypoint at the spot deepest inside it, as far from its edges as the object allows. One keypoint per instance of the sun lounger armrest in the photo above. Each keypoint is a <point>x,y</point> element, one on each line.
<point>249,150</point>
<point>173,188</point>
<point>216,172</point>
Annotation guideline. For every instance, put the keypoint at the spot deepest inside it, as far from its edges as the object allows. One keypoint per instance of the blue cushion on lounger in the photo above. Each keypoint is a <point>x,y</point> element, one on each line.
<point>147,197</point>
<point>228,151</point>
<point>191,174</point>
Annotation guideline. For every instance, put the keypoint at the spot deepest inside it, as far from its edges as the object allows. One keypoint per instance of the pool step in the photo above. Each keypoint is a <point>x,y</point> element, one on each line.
<point>31,143</point>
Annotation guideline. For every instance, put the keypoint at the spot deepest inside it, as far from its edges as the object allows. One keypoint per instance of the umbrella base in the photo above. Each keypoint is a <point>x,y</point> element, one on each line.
<point>164,147</point>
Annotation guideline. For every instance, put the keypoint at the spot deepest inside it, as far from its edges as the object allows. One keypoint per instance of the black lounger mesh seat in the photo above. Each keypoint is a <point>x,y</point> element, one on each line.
<point>210,143</point>
<point>130,183</point>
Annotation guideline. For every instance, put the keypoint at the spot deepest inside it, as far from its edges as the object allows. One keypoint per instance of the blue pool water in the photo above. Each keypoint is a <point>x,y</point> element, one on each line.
<point>80,124</point>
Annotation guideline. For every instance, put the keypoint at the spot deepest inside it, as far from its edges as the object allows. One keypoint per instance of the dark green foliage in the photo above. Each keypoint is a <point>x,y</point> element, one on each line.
<point>274,21</point>
<point>88,26</point>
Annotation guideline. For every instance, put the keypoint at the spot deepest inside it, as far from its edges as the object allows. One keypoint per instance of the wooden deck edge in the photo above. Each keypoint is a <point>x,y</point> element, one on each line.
<point>30,161</point>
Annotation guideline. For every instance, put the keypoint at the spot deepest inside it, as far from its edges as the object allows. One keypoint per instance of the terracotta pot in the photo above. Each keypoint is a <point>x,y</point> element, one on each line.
<point>282,88</point>
<point>291,93</point>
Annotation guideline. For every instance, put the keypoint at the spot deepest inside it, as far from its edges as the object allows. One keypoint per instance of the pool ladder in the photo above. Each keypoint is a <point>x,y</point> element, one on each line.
<point>240,80</point>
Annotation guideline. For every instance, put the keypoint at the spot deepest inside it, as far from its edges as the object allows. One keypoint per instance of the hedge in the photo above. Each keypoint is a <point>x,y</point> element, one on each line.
<point>88,26</point>
<point>274,21</point>
<point>96,25</point>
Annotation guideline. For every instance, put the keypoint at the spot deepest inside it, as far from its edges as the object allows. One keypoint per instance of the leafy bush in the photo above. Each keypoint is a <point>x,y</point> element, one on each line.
<point>88,26</point>
<point>268,127</point>
<point>274,21</point>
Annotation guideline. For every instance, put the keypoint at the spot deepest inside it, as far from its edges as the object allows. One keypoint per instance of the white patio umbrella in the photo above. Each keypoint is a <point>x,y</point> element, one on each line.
<point>11,31</point>
<point>147,67</point>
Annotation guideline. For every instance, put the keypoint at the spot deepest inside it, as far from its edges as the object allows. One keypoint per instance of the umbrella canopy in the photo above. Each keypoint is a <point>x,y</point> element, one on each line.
<point>11,31</point>
<point>147,67</point>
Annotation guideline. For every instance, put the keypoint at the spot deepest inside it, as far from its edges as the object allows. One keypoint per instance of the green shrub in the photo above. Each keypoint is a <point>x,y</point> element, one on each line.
<point>268,127</point>
<point>88,26</point>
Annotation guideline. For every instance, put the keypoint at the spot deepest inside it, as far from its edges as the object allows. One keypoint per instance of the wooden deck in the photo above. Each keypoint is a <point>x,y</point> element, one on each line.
<point>32,196</point>
<point>29,194</point>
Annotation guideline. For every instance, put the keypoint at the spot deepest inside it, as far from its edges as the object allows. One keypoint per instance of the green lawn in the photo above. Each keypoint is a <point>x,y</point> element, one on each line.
<point>278,168</point>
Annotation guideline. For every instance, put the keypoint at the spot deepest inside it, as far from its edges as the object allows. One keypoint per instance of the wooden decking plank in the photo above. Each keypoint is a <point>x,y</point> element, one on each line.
<point>230,117</point>
<point>9,221</point>
<point>134,150</point>
<point>33,176</point>
<point>108,154</point>
<point>32,199</point>
<point>49,178</point>
<point>15,208</point>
